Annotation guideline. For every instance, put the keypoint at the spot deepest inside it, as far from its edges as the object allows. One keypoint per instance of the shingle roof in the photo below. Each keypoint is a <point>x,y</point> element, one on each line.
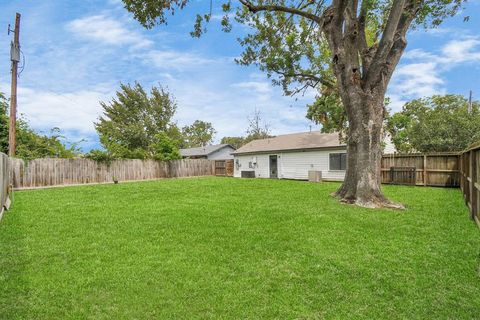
<point>202,151</point>
<point>294,141</point>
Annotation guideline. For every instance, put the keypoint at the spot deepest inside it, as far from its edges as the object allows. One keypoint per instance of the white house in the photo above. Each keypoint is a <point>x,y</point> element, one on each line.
<point>291,156</point>
<point>214,152</point>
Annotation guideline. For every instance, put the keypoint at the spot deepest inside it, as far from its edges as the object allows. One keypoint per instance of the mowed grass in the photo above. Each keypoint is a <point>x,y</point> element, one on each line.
<point>225,248</point>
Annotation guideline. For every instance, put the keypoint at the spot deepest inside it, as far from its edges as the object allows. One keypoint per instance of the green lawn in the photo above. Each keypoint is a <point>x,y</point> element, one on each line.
<point>229,248</point>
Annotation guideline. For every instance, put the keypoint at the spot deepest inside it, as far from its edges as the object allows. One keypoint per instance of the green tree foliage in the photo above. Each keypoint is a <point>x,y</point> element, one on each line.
<point>328,111</point>
<point>131,123</point>
<point>4,124</point>
<point>30,144</point>
<point>165,148</point>
<point>235,142</point>
<point>435,124</point>
<point>198,134</point>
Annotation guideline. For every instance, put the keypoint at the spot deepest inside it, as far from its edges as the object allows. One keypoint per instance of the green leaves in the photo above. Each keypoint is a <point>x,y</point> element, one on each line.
<point>198,134</point>
<point>164,148</point>
<point>435,124</point>
<point>131,122</point>
<point>329,111</point>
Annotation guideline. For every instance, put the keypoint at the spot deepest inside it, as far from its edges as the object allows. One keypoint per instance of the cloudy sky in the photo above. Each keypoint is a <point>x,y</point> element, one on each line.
<point>78,52</point>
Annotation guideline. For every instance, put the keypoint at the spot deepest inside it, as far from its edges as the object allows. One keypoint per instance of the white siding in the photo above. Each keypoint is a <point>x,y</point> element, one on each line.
<point>389,146</point>
<point>261,168</point>
<point>295,165</point>
<point>222,154</point>
<point>291,165</point>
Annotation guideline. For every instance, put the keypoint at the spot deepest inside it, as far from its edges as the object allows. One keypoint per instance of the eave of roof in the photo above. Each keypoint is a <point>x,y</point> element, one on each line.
<point>340,147</point>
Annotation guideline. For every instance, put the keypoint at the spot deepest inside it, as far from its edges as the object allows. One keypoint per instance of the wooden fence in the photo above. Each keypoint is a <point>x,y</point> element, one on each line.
<point>470,180</point>
<point>54,172</point>
<point>224,168</point>
<point>4,183</point>
<point>438,169</point>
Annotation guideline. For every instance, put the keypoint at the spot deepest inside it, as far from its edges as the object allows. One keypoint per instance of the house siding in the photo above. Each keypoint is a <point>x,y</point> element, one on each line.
<point>222,154</point>
<point>291,165</point>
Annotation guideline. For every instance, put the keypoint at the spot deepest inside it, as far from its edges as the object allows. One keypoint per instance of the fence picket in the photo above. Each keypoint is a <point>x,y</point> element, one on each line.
<point>53,171</point>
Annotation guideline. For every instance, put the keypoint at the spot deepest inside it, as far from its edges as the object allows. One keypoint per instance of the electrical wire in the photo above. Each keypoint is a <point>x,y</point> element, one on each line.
<point>23,64</point>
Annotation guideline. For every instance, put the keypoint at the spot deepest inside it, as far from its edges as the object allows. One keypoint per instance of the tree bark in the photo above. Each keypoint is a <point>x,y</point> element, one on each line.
<point>362,183</point>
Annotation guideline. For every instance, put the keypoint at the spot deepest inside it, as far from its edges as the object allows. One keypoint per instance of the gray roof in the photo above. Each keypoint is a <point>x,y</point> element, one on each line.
<point>202,151</point>
<point>294,141</point>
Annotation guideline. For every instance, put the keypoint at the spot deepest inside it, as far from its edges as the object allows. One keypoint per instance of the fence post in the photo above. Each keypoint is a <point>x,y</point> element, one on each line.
<point>470,185</point>
<point>473,194</point>
<point>425,170</point>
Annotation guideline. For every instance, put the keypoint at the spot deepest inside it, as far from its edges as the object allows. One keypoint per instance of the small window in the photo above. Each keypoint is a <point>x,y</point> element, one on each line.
<point>338,161</point>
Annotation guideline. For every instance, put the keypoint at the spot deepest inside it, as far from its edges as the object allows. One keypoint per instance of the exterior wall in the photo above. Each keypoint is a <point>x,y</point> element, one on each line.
<point>291,165</point>
<point>389,146</point>
<point>222,154</point>
<point>261,168</point>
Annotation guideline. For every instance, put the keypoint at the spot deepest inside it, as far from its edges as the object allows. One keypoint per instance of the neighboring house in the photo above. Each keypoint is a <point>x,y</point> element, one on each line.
<point>388,147</point>
<point>216,152</point>
<point>291,156</point>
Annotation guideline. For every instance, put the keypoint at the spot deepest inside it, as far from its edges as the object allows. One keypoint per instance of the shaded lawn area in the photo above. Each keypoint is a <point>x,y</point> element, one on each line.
<point>236,249</point>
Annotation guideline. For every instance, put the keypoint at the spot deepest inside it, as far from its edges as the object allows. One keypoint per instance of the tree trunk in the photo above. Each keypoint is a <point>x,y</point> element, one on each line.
<point>362,184</point>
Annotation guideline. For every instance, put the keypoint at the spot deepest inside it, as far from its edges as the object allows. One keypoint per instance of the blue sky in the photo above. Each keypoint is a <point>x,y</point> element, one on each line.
<point>78,52</point>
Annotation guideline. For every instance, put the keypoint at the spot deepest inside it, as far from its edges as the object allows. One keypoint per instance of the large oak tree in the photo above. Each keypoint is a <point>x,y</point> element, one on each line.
<point>300,41</point>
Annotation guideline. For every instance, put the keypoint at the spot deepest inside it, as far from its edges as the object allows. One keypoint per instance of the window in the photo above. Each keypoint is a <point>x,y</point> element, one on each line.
<point>338,161</point>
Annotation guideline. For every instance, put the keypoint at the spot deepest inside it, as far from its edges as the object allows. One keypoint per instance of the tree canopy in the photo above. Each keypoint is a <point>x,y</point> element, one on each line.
<point>131,122</point>
<point>435,124</point>
<point>198,134</point>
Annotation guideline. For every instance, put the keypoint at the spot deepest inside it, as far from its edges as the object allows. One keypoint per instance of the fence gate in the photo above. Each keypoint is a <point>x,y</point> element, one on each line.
<point>224,168</point>
<point>403,175</point>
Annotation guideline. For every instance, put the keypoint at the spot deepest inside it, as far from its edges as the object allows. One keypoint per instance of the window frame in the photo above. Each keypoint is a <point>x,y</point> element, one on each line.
<point>342,159</point>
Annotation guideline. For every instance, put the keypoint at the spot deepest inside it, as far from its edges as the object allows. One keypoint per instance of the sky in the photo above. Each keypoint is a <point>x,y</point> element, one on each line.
<point>78,52</point>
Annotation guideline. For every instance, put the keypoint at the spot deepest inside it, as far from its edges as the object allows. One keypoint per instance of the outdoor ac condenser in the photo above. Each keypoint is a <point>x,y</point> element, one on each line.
<point>314,176</point>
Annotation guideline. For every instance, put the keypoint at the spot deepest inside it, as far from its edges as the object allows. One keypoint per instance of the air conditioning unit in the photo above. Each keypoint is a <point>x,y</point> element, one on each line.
<point>247,174</point>
<point>314,176</point>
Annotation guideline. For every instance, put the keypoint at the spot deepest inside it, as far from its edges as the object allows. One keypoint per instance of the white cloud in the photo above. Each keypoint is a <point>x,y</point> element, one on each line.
<point>418,79</point>
<point>176,60</point>
<point>257,86</point>
<point>107,30</point>
<point>458,51</point>
<point>423,74</point>
<point>72,112</point>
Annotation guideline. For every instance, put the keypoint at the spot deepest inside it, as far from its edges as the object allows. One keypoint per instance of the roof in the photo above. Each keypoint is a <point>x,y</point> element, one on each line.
<point>202,151</point>
<point>294,141</point>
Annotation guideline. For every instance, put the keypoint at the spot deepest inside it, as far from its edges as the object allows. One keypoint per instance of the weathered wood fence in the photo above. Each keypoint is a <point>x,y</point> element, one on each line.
<point>470,180</point>
<point>224,168</point>
<point>4,183</point>
<point>54,172</point>
<point>436,169</point>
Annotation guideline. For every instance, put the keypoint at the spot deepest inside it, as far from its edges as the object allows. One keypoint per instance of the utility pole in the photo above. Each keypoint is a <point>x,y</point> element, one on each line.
<point>15,58</point>
<point>470,106</point>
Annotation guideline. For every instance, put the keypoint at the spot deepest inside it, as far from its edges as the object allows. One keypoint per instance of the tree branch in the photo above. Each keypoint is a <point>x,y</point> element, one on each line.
<point>386,42</point>
<point>307,76</point>
<point>254,9</point>
<point>362,37</point>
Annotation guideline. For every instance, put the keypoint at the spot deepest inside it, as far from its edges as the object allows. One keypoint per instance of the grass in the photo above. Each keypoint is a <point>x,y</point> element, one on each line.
<point>236,249</point>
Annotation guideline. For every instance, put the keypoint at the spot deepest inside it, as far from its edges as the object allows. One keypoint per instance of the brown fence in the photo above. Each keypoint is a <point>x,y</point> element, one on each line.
<point>470,180</point>
<point>53,172</point>
<point>4,183</point>
<point>224,168</point>
<point>439,169</point>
